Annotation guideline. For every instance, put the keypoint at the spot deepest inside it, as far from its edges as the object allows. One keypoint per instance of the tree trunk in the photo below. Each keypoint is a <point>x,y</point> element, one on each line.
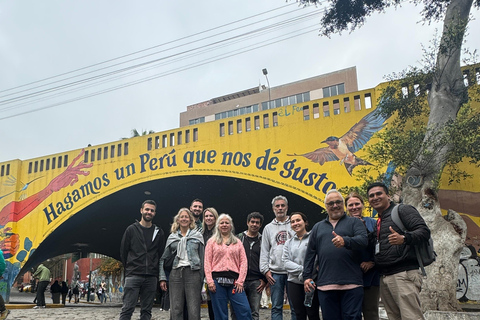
<point>445,98</point>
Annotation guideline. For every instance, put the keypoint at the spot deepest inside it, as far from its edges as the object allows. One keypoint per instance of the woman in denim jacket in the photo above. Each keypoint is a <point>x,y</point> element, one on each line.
<point>186,277</point>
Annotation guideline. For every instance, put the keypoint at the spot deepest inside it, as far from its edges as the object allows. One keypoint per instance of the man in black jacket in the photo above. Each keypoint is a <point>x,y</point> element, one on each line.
<point>395,257</point>
<point>255,281</point>
<point>141,248</point>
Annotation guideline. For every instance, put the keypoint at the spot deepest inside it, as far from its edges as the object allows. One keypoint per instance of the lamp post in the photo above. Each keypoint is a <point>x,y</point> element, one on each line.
<point>265,72</point>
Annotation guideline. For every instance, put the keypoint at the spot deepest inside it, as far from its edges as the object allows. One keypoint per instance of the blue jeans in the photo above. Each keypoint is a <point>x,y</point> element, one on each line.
<point>277,294</point>
<point>341,304</point>
<point>253,297</point>
<point>238,301</point>
<point>144,286</point>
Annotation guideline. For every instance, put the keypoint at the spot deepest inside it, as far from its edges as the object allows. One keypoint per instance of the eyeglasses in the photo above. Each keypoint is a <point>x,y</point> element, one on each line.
<point>332,203</point>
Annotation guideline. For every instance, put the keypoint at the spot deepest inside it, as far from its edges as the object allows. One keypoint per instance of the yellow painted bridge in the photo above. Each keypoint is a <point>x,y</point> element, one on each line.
<point>82,200</point>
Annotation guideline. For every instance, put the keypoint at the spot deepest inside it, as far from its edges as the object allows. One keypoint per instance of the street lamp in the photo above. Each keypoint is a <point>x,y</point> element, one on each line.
<point>265,72</point>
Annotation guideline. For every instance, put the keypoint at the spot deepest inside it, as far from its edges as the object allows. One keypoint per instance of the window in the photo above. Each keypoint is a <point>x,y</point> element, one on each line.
<point>157,142</point>
<point>368,100</point>
<point>119,149</point>
<point>41,165</point>
<point>230,127</point>
<point>198,120</point>
<point>239,126</point>
<point>346,104</point>
<point>164,141</point>
<point>222,129</point>
<point>326,109</point>
<point>125,148</point>
<point>195,134</point>
<point>405,92</point>
<point>105,153</point>
<point>356,103</point>
<point>53,163</point>
<point>187,136</point>
<point>47,164</point>
<point>172,139</point>
<point>59,162</point>
<point>334,90</point>
<point>336,107</point>
<point>247,124</point>
<point>149,144</point>
<point>112,151</point>
<point>416,89</point>
<point>266,121</point>
<point>85,157</point>
<point>99,154</point>
<point>36,166</point>
<point>316,111</point>
<point>92,155</point>
<point>30,167</point>
<point>179,137</point>
<point>275,119</point>
<point>65,161</point>
<point>465,78</point>
<point>306,113</point>
<point>257,122</point>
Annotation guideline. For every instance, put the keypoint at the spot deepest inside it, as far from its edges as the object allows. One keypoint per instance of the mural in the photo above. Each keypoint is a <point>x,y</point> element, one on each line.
<point>17,210</point>
<point>468,285</point>
<point>277,154</point>
<point>344,148</point>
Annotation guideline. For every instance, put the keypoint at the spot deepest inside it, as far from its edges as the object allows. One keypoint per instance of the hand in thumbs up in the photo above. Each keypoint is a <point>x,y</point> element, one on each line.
<point>395,238</point>
<point>337,240</point>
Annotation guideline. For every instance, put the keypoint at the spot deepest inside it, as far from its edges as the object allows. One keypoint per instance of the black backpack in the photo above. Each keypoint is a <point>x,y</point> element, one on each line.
<point>424,251</point>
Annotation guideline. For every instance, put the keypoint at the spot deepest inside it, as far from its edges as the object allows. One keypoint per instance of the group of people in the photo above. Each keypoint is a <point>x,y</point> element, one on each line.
<point>345,262</point>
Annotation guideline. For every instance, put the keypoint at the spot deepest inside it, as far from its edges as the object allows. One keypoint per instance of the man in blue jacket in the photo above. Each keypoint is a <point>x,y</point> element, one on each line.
<point>141,248</point>
<point>336,242</point>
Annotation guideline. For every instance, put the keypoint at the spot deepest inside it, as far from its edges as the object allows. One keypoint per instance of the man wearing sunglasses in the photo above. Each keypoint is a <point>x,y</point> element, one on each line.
<point>336,242</point>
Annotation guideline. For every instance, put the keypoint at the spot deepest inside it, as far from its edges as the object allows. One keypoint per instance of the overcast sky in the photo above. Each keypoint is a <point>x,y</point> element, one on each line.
<point>199,50</point>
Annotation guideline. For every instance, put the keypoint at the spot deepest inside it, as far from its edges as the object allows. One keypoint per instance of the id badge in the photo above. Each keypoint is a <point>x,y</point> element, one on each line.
<point>377,247</point>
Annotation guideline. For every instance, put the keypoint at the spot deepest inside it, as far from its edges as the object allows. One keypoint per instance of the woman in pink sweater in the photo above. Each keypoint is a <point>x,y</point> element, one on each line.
<point>225,270</point>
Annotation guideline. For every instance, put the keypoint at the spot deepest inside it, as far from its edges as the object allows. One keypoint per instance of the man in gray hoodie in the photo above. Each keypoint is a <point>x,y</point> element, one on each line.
<point>275,234</point>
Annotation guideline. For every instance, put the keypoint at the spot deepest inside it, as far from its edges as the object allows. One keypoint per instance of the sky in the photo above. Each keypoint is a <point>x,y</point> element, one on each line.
<point>60,61</point>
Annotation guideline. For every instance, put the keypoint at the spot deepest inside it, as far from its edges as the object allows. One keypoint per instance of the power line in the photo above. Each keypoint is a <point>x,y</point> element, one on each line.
<point>162,61</point>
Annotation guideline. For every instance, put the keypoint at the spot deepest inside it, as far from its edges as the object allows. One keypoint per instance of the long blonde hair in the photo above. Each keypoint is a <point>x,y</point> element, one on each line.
<point>215,214</point>
<point>232,239</point>
<point>176,225</point>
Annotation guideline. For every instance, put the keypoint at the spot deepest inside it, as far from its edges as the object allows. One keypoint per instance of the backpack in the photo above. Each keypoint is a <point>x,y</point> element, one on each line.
<point>424,251</point>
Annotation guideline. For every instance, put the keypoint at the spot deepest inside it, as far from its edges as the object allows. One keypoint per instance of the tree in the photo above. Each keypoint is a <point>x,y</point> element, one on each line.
<point>423,168</point>
<point>110,267</point>
<point>135,133</point>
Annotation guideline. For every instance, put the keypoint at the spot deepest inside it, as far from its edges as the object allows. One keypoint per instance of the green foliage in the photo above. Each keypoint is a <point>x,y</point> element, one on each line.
<point>401,141</point>
<point>110,267</point>
<point>348,15</point>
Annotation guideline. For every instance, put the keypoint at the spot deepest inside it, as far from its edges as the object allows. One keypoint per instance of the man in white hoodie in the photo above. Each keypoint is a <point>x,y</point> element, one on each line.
<point>275,234</point>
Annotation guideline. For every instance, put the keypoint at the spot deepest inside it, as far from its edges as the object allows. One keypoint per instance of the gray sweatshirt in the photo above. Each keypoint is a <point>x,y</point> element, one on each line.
<point>293,257</point>
<point>274,236</point>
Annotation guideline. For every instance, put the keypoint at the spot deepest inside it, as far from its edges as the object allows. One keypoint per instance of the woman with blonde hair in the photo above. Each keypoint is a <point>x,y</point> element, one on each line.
<point>226,267</point>
<point>185,249</point>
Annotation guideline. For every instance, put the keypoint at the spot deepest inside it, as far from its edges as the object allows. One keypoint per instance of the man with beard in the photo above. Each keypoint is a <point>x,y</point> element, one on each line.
<point>275,234</point>
<point>197,209</point>
<point>141,248</point>
<point>336,243</point>
<point>401,280</point>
